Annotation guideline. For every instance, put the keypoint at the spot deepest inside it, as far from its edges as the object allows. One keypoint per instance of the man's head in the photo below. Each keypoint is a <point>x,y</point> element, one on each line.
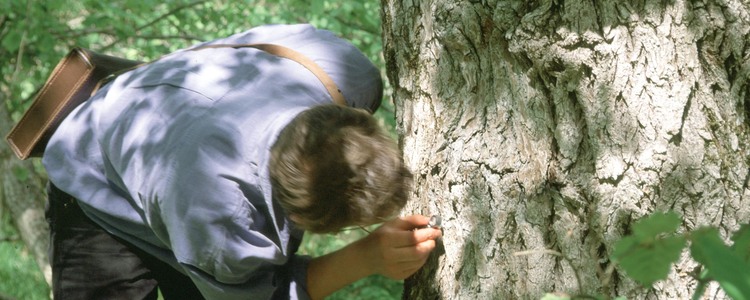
<point>333,167</point>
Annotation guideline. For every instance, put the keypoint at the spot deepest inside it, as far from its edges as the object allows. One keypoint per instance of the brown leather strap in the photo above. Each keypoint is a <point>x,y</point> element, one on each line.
<point>288,53</point>
<point>280,51</point>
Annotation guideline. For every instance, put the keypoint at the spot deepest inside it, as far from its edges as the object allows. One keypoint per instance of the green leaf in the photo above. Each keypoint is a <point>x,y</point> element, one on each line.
<point>723,264</point>
<point>12,41</point>
<point>741,240</point>
<point>7,7</point>
<point>647,254</point>
<point>317,7</point>
<point>703,281</point>
<point>655,224</point>
<point>648,262</point>
<point>22,174</point>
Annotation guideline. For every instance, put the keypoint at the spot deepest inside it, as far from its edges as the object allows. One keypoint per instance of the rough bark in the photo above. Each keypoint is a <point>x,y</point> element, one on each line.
<point>21,193</point>
<point>533,125</point>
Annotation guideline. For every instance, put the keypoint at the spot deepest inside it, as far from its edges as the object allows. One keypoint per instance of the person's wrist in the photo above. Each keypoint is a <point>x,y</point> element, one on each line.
<point>369,254</point>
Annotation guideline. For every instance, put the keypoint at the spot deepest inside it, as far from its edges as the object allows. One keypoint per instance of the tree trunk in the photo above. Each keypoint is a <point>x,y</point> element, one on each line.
<point>21,193</point>
<point>540,130</point>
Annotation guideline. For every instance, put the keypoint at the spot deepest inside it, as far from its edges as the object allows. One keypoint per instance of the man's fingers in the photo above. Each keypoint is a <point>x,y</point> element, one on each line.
<point>416,253</point>
<point>409,238</point>
<point>425,234</point>
<point>405,244</point>
<point>411,222</point>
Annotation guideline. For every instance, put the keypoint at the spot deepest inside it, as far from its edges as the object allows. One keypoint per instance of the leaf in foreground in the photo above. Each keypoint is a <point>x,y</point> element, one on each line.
<point>724,265</point>
<point>741,240</point>
<point>647,254</point>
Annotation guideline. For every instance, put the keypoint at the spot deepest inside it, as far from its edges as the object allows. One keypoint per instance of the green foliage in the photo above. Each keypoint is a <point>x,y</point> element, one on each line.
<point>728,266</point>
<point>19,275</point>
<point>375,287</point>
<point>741,245</point>
<point>648,253</point>
<point>21,173</point>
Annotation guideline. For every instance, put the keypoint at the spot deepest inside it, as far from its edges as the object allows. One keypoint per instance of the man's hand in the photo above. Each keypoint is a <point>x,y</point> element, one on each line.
<point>400,247</point>
<point>396,249</point>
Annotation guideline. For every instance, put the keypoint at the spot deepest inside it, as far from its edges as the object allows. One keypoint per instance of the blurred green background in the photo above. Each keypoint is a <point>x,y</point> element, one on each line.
<point>36,34</point>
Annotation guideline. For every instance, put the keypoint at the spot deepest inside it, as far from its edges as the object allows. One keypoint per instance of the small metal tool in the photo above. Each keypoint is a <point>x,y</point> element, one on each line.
<point>435,221</point>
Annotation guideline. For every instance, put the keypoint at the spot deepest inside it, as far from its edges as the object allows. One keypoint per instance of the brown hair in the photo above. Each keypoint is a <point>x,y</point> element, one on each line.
<point>333,167</point>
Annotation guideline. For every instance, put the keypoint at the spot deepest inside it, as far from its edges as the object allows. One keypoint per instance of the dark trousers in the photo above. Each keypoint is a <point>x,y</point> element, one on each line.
<point>89,263</point>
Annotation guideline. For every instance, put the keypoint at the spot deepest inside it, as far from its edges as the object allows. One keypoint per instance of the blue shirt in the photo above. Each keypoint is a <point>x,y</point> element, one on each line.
<point>173,156</point>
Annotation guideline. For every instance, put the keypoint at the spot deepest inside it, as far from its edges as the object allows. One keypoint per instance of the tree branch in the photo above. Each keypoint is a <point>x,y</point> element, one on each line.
<point>155,20</point>
<point>171,12</point>
<point>356,26</point>
<point>19,56</point>
<point>168,37</point>
<point>77,33</point>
